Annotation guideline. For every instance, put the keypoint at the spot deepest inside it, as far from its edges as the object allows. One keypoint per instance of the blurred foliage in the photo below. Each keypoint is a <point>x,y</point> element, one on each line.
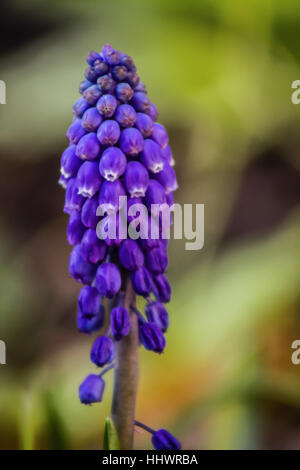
<point>220,73</point>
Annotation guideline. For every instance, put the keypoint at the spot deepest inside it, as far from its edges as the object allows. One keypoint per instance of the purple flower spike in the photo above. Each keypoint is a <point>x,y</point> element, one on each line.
<point>167,178</point>
<point>162,288</point>
<point>88,213</point>
<point>160,135</point>
<point>69,164</point>
<point>73,200</point>
<point>141,281</point>
<point>80,269</point>
<point>140,102</point>
<point>118,153</point>
<point>130,255</point>
<point>151,337</point>
<point>92,94</point>
<point>110,193</point>
<point>93,250</point>
<point>125,115</point>
<point>163,440</point>
<point>80,106</point>
<point>151,156</point>
<point>91,120</point>
<point>156,313</point>
<point>107,105</point>
<point>91,390</point>
<point>108,280</point>
<point>88,148</point>
<point>119,322</point>
<point>131,142</point>
<point>112,163</point>
<point>75,131</point>
<point>145,124</point>
<point>75,228</point>
<point>88,179</point>
<point>108,132</point>
<point>102,351</point>
<point>157,260</point>
<point>124,92</point>
<point>136,179</point>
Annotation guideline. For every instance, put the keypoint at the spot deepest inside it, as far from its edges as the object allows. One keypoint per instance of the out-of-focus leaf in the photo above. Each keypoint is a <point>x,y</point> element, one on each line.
<point>27,421</point>
<point>111,439</point>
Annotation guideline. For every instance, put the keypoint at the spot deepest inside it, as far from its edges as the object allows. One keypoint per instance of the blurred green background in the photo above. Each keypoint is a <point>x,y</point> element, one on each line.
<point>220,73</point>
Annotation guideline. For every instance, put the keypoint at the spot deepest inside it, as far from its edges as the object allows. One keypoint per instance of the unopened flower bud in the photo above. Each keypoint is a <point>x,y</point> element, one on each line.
<point>106,84</point>
<point>81,270</point>
<point>112,163</point>
<point>93,250</point>
<point>111,55</point>
<point>88,148</point>
<point>107,105</point>
<point>92,94</point>
<point>119,323</point>
<point>80,106</point>
<point>75,228</point>
<point>162,288</point>
<point>136,179</point>
<point>167,178</point>
<point>140,102</point>
<point>141,281</point>
<point>125,115</point>
<point>151,337</point>
<point>69,162</point>
<point>102,351</point>
<point>119,72</point>
<point>160,135</point>
<point>131,141</point>
<point>163,440</point>
<point>156,313</point>
<point>108,132</point>
<point>145,124</point>
<point>88,213</point>
<point>91,119</point>
<point>75,131</point>
<point>108,280</point>
<point>88,179</point>
<point>90,74</point>
<point>157,260</point>
<point>130,255</point>
<point>110,193</point>
<point>73,200</point>
<point>124,92</point>
<point>91,390</point>
<point>151,156</point>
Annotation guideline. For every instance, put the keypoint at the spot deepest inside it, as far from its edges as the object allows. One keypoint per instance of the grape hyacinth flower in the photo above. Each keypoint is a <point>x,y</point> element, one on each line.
<point>116,149</point>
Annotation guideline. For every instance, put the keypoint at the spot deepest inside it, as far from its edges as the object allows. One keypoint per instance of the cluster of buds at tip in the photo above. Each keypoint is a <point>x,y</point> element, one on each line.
<point>116,148</point>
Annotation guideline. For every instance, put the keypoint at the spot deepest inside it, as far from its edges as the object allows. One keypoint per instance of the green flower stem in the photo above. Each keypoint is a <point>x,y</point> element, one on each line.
<point>126,376</point>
